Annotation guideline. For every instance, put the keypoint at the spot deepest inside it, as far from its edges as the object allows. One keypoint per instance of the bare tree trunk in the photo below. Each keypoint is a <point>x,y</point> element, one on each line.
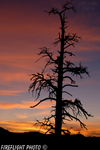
<point>58,120</point>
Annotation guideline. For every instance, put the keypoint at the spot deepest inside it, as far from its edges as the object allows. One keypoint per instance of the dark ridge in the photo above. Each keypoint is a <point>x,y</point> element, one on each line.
<point>3,131</point>
<point>67,141</point>
<point>35,133</point>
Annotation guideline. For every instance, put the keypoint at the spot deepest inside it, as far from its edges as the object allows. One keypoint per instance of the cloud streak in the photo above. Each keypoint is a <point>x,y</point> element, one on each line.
<point>26,126</point>
<point>24,105</point>
<point>8,92</point>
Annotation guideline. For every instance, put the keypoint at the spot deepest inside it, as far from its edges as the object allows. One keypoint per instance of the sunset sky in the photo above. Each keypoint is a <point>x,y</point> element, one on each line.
<point>25,27</point>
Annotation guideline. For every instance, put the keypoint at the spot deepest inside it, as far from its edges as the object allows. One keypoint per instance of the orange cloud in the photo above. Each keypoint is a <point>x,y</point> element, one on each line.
<point>16,126</point>
<point>18,83</point>
<point>93,128</point>
<point>10,77</point>
<point>26,115</point>
<point>24,105</point>
<point>17,62</point>
<point>26,126</point>
<point>8,92</point>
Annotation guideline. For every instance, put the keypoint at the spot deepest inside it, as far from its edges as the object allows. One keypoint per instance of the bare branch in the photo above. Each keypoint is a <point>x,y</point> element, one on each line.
<point>40,82</point>
<point>66,131</point>
<point>72,81</point>
<point>69,85</point>
<point>76,107</point>
<point>46,123</point>
<point>71,54</point>
<point>43,101</point>
<point>75,70</point>
<point>66,6</point>
<point>53,10</point>
<point>45,52</point>
<point>67,93</point>
<point>69,44</point>
<point>73,117</point>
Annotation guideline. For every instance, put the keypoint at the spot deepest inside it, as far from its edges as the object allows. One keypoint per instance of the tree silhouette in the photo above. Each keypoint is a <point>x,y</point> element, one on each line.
<point>55,81</point>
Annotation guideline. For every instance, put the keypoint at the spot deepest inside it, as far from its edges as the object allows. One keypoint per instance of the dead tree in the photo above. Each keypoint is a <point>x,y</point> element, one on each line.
<point>54,83</point>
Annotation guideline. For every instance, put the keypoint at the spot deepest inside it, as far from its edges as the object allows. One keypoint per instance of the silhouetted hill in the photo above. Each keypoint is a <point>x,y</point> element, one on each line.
<point>35,138</point>
<point>3,131</point>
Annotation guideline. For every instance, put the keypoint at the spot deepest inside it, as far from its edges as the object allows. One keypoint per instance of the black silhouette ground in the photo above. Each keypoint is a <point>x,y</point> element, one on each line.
<point>35,138</point>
